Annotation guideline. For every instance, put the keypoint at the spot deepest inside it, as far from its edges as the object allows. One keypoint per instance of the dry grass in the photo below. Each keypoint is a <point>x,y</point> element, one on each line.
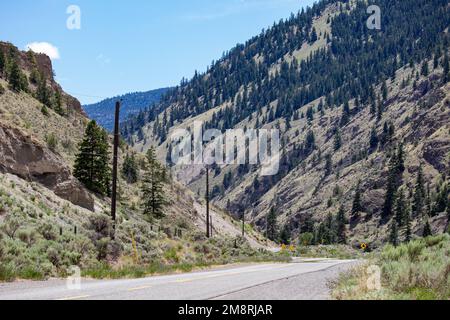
<point>418,270</point>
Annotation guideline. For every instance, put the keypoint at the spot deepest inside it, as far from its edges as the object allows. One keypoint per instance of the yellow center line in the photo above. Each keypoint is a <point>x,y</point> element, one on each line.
<point>139,288</point>
<point>73,298</point>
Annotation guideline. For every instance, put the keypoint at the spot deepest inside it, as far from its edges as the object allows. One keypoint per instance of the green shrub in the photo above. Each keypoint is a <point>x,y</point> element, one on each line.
<point>171,255</point>
<point>52,141</point>
<point>99,226</point>
<point>47,231</point>
<point>10,226</point>
<point>28,237</point>
<point>44,110</point>
<point>306,239</point>
<point>419,270</point>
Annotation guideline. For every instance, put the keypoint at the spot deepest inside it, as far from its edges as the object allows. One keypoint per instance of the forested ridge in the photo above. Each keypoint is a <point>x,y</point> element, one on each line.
<point>356,60</point>
<point>348,100</point>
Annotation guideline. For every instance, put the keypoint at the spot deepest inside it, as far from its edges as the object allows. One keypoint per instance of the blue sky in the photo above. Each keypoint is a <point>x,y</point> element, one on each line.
<point>136,45</point>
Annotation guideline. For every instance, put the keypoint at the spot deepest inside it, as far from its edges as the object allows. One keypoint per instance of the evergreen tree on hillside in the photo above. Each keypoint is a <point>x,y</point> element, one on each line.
<point>337,140</point>
<point>308,225</point>
<point>310,143</point>
<point>57,102</point>
<point>424,71</point>
<point>92,161</point>
<point>373,143</point>
<point>15,77</point>
<point>310,114</point>
<point>396,169</point>
<point>272,228</point>
<point>427,230</point>
<point>345,114</point>
<point>442,199</point>
<point>400,208</point>
<point>130,169</point>
<point>313,37</point>
<point>2,63</point>
<point>408,224</point>
<point>393,236</point>
<point>340,226</point>
<point>42,92</point>
<point>446,69</point>
<point>357,206</point>
<point>419,194</point>
<point>153,199</point>
<point>326,232</point>
<point>328,165</point>
<point>285,235</point>
<point>384,91</point>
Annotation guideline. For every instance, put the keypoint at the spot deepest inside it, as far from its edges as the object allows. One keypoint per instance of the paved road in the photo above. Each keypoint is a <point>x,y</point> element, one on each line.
<point>298,280</point>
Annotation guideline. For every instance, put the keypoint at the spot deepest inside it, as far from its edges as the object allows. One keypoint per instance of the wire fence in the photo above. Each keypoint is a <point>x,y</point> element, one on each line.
<point>172,232</point>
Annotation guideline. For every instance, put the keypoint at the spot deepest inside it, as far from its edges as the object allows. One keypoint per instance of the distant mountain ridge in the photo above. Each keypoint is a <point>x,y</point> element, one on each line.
<point>132,103</point>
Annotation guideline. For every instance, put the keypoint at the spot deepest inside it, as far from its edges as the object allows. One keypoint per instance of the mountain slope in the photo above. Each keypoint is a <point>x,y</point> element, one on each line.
<point>331,86</point>
<point>49,221</point>
<point>131,103</point>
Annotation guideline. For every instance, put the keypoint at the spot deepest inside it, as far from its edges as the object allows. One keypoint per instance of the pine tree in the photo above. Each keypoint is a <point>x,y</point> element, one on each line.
<point>153,198</point>
<point>424,71</point>
<point>15,76</point>
<point>373,139</point>
<point>340,226</point>
<point>442,199</point>
<point>328,165</point>
<point>313,35</point>
<point>427,230</point>
<point>396,169</point>
<point>58,103</point>
<point>337,140</point>
<point>42,92</point>
<point>310,143</point>
<point>285,235</point>
<point>400,208</point>
<point>130,169</point>
<point>446,69</point>
<point>419,194</point>
<point>2,63</point>
<point>92,162</point>
<point>384,91</point>
<point>271,228</point>
<point>357,206</point>
<point>408,231</point>
<point>308,225</point>
<point>310,114</point>
<point>393,236</point>
<point>345,114</point>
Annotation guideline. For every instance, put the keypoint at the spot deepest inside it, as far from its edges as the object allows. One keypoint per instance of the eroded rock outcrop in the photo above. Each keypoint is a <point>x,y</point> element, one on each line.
<point>25,157</point>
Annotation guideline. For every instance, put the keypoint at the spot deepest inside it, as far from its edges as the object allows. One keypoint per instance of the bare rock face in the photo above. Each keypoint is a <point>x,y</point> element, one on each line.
<point>72,190</point>
<point>44,64</point>
<point>22,156</point>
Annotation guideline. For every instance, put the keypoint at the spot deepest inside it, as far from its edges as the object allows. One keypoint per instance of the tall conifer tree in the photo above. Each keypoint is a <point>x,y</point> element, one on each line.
<point>92,162</point>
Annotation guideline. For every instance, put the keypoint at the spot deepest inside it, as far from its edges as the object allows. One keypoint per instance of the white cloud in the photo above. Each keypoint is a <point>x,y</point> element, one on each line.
<point>45,48</point>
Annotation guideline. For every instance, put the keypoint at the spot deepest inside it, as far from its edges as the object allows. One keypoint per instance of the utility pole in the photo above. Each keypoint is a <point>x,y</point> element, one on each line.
<point>243,223</point>
<point>207,203</point>
<point>114,173</point>
<point>211,225</point>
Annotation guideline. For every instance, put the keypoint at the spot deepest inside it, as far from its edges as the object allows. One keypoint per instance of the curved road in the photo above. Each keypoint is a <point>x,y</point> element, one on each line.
<point>300,280</point>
